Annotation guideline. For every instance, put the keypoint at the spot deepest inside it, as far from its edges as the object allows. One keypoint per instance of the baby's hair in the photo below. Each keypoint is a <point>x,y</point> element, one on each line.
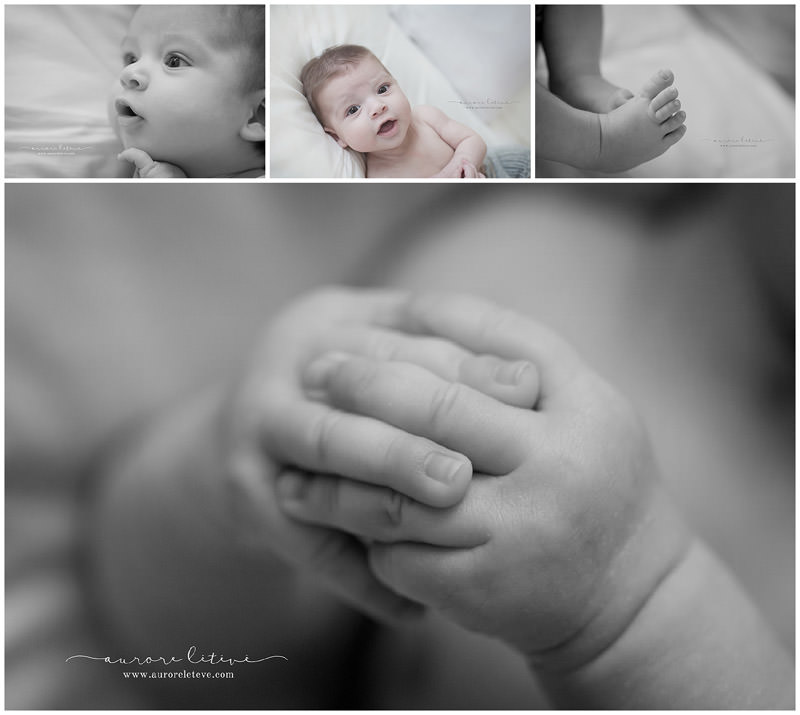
<point>244,27</point>
<point>333,61</point>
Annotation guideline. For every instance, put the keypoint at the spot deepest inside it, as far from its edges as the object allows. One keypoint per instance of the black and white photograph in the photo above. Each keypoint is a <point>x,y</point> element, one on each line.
<point>400,91</point>
<point>665,91</point>
<point>427,446</point>
<point>125,91</point>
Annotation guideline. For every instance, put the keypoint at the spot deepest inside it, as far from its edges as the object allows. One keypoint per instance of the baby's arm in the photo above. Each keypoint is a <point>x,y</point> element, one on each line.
<point>468,147</point>
<point>146,168</point>
<point>566,546</point>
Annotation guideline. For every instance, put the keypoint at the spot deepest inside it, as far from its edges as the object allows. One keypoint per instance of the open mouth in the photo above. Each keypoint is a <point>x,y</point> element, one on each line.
<point>125,111</point>
<point>387,127</point>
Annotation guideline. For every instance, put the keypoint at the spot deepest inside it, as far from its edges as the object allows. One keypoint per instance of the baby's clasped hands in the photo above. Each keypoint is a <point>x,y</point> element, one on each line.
<point>564,532</point>
<point>273,422</point>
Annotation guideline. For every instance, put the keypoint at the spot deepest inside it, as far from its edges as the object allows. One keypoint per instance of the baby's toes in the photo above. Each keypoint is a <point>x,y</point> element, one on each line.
<point>666,111</point>
<point>674,136</point>
<point>674,122</point>
<point>657,83</point>
<point>664,104</point>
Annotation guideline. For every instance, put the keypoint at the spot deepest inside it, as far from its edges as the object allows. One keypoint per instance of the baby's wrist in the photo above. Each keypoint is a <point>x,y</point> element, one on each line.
<point>696,643</point>
<point>655,549</point>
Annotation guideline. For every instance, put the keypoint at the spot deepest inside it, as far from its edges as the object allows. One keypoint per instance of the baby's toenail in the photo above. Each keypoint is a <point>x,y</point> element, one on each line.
<point>664,74</point>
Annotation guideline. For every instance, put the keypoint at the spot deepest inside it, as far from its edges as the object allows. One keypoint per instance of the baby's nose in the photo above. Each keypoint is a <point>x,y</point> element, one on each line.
<point>133,76</point>
<point>377,109</point>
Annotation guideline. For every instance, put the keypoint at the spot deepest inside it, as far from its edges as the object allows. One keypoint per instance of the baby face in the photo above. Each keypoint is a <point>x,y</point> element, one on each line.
<point>364,108</point>
<point>180,89</point>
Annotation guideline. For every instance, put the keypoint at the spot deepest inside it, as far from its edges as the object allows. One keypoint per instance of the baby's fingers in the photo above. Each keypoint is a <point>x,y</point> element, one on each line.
<point>137,157</point>
<point>320,439</point>
<point>380,514</point>
<point>469,171</point>
<point>491,434</point>
<point>483,327</point>
<point>515,382</point>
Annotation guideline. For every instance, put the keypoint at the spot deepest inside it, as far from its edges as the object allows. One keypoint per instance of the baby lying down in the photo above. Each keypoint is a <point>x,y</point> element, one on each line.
<point>360,104</point>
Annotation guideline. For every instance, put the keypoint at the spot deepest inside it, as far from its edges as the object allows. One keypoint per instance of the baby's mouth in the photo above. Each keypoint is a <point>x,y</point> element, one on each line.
<point>387,127</point>
<point>125,110</point>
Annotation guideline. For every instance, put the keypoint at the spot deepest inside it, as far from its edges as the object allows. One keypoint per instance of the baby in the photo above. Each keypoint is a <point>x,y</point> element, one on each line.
<point>360,104</point>
<point>190,96</point>
<point>586,121</point>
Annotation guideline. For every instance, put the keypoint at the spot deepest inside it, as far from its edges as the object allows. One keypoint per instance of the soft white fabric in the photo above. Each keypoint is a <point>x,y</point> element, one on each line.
<point>299,148</point>
<point>60,62</point>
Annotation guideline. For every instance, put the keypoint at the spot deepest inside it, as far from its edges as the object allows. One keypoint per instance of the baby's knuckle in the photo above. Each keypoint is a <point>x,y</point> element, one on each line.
<point>357,384</point>
<point>321,431</point>
<point>445,402</point>
<point>393,508</point>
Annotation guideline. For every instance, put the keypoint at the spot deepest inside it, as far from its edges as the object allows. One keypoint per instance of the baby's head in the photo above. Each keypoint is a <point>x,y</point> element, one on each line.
<point>356,99</point>
<point>191,91</point>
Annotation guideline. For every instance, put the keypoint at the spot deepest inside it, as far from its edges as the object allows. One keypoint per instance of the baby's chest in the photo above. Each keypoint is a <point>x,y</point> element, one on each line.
<point>426,157</point>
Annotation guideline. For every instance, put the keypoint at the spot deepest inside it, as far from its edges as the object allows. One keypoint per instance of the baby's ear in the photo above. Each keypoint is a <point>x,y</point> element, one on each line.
<point>330,131</point>
<point>254,129</point>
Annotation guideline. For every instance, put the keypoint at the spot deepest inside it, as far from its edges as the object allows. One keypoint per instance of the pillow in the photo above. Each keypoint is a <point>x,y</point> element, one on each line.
<point>299,148</point>
<point>60,62</point>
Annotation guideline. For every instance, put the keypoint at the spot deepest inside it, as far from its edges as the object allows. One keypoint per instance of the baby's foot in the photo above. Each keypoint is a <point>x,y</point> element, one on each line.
<point>643,127</point>
<point>591,92</point>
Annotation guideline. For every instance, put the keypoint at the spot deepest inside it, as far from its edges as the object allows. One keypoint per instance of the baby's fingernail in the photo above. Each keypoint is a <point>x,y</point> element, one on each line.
<point>511,373</point>
<point>443,467</point>
<point>318,372</point>
<point>665,74</point>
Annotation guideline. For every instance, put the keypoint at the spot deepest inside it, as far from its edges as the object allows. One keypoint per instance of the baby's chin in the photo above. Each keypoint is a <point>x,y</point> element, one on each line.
<point>154,149</point>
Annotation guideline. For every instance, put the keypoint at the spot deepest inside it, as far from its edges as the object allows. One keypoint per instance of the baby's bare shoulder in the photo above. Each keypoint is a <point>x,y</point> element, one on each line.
<point>429,114</point>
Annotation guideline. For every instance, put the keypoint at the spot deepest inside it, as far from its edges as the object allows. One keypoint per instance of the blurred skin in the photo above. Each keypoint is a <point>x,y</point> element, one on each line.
<point>185,87</point>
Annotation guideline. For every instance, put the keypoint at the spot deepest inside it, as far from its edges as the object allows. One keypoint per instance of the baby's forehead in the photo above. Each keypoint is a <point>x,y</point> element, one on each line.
<point>366,70</point>
<point>211,23</point>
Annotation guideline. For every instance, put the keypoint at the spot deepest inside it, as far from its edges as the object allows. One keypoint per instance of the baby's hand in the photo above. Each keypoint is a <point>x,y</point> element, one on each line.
<point>470,171</point>
<point>274,422</point>
<point>146,168</point>
<point>564,532</point>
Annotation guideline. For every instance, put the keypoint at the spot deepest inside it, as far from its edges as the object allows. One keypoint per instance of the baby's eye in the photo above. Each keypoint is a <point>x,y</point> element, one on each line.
<point>352,109</point>
<point>128,58</point>
<point>174,61</point>
<point>383,89</point>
